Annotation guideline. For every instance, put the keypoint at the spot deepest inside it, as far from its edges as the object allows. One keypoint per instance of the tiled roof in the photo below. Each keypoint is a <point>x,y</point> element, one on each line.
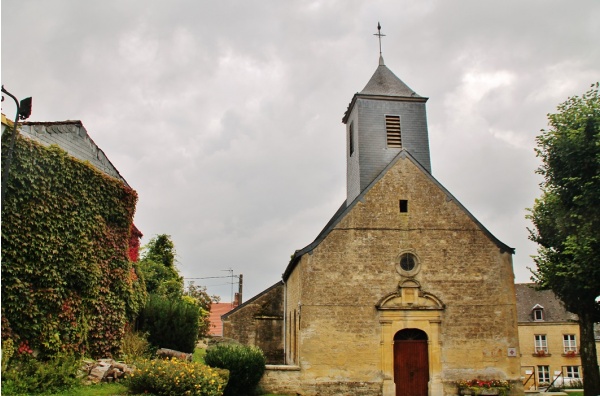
<point>384,82</point>
<point>216,311</point>
<point>528,298</point>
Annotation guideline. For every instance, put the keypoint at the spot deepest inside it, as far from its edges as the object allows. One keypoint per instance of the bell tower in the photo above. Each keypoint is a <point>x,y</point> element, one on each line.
<point>382,120</point>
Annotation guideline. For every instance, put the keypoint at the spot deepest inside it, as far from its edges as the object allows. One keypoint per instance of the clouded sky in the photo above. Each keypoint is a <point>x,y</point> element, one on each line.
<point>225,116</point>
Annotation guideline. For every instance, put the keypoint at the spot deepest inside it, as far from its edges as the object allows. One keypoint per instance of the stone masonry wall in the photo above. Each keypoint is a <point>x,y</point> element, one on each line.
<point>341,281</point>
<point>259,322</point>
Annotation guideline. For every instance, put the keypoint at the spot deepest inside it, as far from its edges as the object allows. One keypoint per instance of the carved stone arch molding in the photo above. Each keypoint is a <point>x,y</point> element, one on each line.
<point>410,307</point>
<point>409,296</point>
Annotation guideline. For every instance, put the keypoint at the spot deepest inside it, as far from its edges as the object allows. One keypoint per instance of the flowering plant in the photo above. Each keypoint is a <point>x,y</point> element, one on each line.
<point>477,386</point>
<point>176,377</point>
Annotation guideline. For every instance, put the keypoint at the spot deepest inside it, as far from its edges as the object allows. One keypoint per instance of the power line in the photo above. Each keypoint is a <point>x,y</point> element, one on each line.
<point>214,277</point>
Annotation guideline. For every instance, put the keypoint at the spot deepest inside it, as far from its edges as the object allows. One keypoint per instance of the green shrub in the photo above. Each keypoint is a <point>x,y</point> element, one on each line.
<point>176,377</point>
<point>135,346</point>
<point>170,323</point>
<point>246,366</point>
<point>27,375</point>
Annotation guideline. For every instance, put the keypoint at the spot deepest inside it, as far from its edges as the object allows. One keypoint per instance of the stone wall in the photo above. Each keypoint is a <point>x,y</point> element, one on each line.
<point>259,322</point>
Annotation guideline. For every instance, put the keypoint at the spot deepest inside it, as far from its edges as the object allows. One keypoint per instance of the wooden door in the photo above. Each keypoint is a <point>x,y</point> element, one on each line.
<point>411,367</point>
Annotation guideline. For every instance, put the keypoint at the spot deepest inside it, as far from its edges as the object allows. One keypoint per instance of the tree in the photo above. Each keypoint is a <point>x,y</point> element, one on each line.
<point>162,250</point>
<point>158,267</point>
<point>567,218</point>
<point>198,296</point>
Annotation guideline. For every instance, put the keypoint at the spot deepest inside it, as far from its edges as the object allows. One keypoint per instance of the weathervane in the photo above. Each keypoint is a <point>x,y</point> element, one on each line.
<point>380,36</point>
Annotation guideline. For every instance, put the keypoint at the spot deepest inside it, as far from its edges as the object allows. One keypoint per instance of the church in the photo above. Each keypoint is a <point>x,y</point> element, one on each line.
<point>403,292</point>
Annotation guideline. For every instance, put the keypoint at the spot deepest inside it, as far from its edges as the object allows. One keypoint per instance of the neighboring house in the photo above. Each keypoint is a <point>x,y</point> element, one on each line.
<point>216,311</point>
<point>549,339</point>
<point>403,292</point>
<point>67,243</point>
<point>72,137</point>
<point>259,323</point>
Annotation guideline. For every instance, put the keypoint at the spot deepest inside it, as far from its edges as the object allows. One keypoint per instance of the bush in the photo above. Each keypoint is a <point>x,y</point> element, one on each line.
<point>176,377</point>
<point>135,346</point>
<point>246,366</point>
<point>171,324</point>
<point>27,375</point>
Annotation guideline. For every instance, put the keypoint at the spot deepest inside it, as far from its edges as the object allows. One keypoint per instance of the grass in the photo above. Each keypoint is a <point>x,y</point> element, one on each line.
<point>94,390</point>
<point>198,355</point>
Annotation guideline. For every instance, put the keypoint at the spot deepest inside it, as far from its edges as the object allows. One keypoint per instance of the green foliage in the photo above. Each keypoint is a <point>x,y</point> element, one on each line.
<point>135,346</point>
<point>567,217</point>
<point>198,295</point>
<point>8,350</point>
<point>66,277</point>
<point>161,249</point>
<point>170,323</point>
<point>136,300</point>
<point>177,377</point>
<point>246,366</point>
<point>27,375</point>
<point>161,280</point>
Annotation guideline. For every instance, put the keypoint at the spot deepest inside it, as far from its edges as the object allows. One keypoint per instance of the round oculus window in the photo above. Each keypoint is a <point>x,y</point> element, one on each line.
<point>408,262</point>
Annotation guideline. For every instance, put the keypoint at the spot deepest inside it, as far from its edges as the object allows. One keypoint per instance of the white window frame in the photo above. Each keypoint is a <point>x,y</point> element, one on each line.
<point>543,374</point>
<point>572,372</point>
<point>540,343</point>
<point>570,343</point>
<point>539,311</point>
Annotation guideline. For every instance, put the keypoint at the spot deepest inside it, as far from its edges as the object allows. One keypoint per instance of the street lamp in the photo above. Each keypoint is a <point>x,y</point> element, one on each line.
<point>23,113</point>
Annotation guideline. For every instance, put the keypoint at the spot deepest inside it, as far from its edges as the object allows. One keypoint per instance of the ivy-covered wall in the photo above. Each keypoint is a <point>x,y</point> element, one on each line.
<point>67,282</point>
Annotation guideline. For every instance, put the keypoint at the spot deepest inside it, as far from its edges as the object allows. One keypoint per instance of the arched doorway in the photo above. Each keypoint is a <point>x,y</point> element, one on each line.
<point>411,363</point>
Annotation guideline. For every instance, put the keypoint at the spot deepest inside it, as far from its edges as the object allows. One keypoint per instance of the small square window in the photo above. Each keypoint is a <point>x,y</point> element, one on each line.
<point>538,314</point>
<point>403,206</point>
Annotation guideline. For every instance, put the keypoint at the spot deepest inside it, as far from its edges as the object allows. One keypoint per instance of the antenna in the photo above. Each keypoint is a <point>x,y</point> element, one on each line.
<point>230,270</point>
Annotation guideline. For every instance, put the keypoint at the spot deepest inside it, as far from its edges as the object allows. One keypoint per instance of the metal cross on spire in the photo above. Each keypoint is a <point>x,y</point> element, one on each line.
<point>380,36</point>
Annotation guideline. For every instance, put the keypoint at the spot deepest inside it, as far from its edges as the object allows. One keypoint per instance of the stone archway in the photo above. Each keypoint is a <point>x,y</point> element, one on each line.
<point>410,308</point>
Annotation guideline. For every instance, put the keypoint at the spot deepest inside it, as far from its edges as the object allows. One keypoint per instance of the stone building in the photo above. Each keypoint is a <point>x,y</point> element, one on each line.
<point>403,292</point>
<point>549,339</point>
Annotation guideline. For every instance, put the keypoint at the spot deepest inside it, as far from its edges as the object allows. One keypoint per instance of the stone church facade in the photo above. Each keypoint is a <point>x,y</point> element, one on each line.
<point>403,292</point>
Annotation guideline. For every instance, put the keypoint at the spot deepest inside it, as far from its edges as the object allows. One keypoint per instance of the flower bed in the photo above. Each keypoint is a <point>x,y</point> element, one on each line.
<point>483,387</point>
<point>177,377</point>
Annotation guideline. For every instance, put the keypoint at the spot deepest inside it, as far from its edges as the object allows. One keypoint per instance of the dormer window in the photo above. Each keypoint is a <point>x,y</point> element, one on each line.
<point>537,313</point>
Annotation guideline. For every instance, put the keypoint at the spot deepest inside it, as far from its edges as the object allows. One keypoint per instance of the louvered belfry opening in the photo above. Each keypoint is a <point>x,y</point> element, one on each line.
<point>392,126</point>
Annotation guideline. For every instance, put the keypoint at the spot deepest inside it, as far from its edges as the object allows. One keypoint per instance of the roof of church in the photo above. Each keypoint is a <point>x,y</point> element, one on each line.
<point>528,297</point>
<point>384,82</point>
<point>345,208</point>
